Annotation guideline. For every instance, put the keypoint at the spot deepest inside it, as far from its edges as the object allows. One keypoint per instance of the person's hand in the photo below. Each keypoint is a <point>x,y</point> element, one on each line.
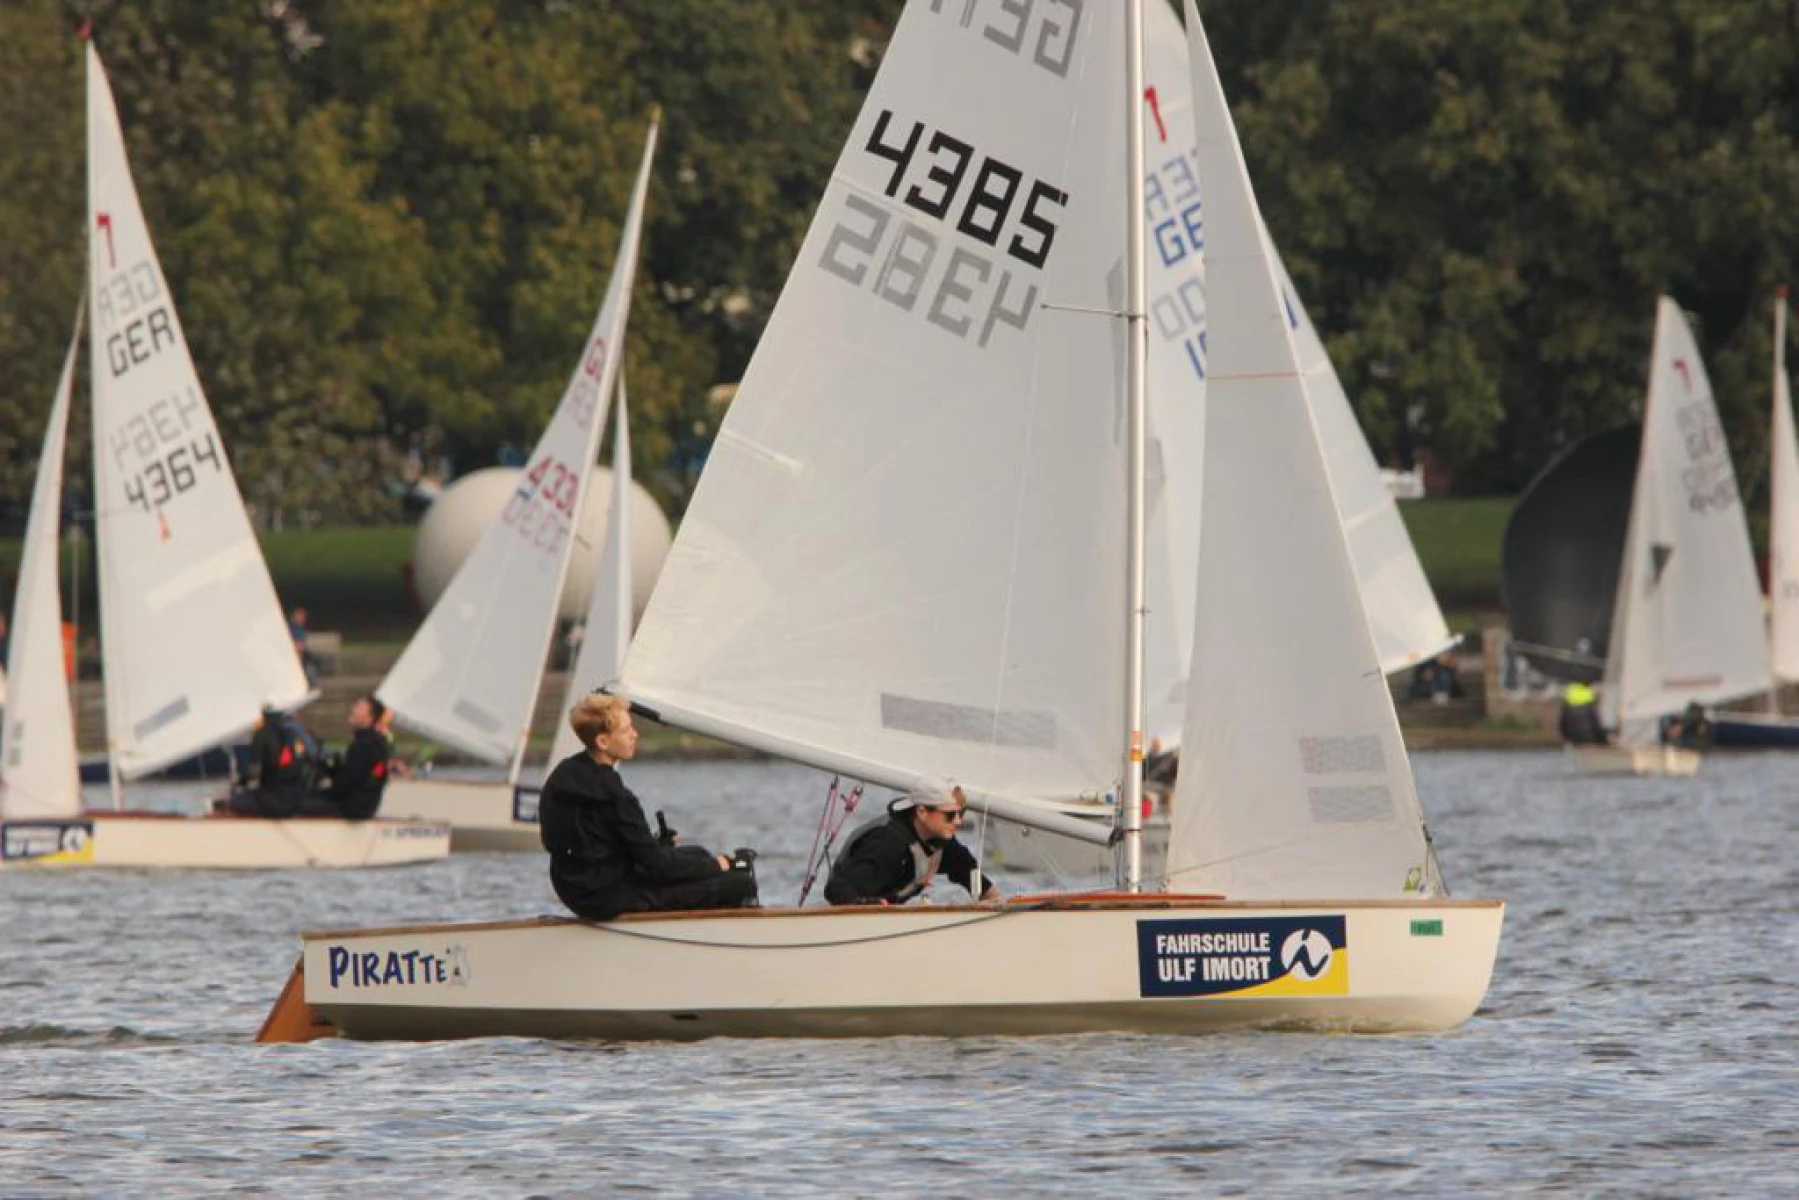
<point>991,895</point>
<point>724,864</point>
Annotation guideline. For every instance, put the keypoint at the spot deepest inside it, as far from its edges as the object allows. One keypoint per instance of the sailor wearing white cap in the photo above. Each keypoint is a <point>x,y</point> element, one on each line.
<point>891,860</point>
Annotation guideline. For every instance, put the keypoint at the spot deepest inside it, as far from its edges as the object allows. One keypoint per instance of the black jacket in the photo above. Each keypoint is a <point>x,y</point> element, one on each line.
<point>880,864</point>
<point>602,853</point>
<point>285,755</point>
<point>361,774</point>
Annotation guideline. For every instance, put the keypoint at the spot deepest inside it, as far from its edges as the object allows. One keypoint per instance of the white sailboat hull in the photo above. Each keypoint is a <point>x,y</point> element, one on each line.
<point>171,842</point>
<point>1053,966</point>
<point>1660,761</point>
<point>481,816</point>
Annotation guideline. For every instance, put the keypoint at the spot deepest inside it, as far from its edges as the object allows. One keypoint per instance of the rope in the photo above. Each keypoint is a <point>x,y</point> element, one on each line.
<point>828,829</point>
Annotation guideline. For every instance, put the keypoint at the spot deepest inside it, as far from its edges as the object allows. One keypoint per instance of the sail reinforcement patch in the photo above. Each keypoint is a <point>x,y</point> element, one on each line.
<point>1349,805</point>
<point>964,723</point>
<point>480,718</point>
<point>162,718</point>
<point>1332,755</point>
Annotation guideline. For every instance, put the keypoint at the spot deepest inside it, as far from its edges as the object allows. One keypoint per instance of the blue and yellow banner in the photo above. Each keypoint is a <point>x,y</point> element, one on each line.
<point>1303,955</point>
<point>47,843</point>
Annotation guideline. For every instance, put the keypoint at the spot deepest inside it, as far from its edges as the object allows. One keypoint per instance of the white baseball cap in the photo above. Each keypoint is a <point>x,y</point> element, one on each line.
<point>933,792</point>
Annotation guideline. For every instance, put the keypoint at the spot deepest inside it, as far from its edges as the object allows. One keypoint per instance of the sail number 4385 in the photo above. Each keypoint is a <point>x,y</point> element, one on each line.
<point>970,200</point>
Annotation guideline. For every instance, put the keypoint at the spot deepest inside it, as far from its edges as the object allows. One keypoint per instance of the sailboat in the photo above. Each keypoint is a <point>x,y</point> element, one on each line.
<point>1774,728</point>
<point>193,641</point>
<point>471,674</point>
<point>1687,622</point>
<point>40,785</point>
<point>917,547</point>
<point>1407,622</point>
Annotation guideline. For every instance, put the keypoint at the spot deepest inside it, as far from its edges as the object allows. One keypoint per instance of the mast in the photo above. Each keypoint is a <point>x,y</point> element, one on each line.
<point>1774,496</point>
<point>1137,359</point>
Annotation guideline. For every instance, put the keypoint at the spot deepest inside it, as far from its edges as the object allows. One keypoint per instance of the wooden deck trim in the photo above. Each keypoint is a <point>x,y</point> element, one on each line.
<point>1083,901</point>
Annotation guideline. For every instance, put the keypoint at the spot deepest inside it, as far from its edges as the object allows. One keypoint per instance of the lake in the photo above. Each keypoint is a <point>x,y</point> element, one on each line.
<point>1638,1038</point>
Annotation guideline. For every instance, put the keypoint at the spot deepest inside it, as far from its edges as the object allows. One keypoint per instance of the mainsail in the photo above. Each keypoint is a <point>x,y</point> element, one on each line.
<point>1688,625</point>
<point>193,637</point>
<point>608,628</point>
<point>470,675</point>
<point>40,775</point>
<point>905,554</point>
<point>1294,778</point>
<point>1783,531</point>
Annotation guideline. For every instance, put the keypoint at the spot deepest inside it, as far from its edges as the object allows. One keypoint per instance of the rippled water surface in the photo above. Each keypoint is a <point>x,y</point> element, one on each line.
<point>1640,1035</point>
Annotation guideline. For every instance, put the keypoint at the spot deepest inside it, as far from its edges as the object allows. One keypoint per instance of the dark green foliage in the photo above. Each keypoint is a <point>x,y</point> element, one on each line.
<point>388,223</point>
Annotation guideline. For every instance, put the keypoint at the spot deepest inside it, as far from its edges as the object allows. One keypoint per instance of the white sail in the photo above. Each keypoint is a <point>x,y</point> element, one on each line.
<point>608,628</point>
<point>1689,625</point>
<point>1294,780</point>
<point>1175,278</point>
<point>1408,625</point>
<point>193,638</point>
<point>1783,532</point>
<point>905,555</point>
<point>470,675</point>
<point>40,774</point>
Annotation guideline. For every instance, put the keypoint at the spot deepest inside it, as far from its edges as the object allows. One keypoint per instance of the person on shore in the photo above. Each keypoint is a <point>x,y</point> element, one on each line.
<point>604,860</point>
<point>297,630</point>
<point>892,860</point>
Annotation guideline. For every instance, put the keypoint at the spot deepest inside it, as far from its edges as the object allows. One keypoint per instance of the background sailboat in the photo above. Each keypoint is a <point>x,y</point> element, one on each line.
<point>1406,621</point>
<point>193,639</point>
<point>1687,623</point>
<point>39,773</point>
<point>901,537</point>
<point>471,674</point>
<point>1776,729</point>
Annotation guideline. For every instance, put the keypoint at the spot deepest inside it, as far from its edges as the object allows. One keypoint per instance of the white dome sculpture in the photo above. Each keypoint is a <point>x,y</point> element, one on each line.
<point>453,525</point>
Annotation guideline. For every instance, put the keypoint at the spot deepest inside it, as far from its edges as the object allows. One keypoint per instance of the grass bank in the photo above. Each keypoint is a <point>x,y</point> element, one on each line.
<point>354,579</point>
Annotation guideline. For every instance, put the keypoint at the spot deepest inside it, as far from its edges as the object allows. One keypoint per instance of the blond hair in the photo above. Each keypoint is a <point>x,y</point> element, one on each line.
<point>595,714</point>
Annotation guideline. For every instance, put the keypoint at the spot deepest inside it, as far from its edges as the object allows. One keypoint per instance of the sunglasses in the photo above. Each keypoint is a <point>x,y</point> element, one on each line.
<point>952,814</point>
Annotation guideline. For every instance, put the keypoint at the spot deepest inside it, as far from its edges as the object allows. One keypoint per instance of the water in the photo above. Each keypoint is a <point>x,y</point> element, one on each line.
<point>1639,1036</point>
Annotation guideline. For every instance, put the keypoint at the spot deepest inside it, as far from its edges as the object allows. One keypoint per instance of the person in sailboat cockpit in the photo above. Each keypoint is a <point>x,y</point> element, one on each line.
<point>890,861</point>
<point>604,861</point>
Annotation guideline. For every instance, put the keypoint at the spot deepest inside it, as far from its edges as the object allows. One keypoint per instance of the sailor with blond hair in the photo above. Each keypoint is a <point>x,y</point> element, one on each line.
<point>604,860</point>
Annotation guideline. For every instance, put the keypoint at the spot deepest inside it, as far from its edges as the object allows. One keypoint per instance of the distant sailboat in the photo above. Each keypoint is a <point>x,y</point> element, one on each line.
<point>471,674</point>
<point>1775,729</point>
<point>193,641</point>
<point>917,548</point>
<point>39,771</point>
<point>1687,623</point>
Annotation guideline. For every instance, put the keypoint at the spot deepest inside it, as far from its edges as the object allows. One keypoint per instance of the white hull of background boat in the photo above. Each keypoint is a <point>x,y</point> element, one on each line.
<point>1659,761</point>
<point>481,815</point>
<point>167,841</point>
<point>1048,966</point>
